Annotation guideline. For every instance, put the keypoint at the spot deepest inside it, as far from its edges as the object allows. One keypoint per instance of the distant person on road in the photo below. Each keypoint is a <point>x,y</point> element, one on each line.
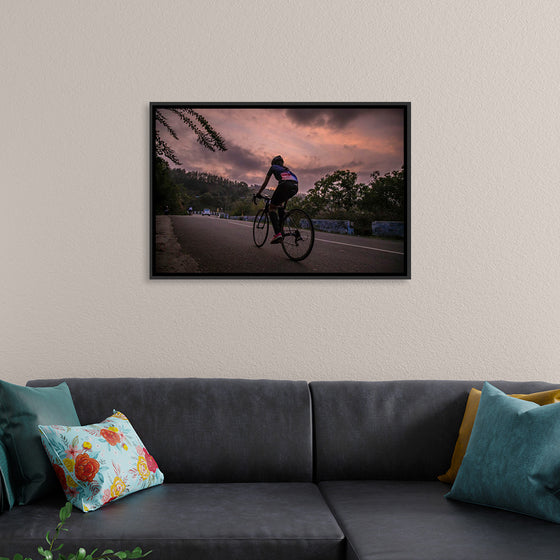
<point>287,187</point>
<point>166,210</point>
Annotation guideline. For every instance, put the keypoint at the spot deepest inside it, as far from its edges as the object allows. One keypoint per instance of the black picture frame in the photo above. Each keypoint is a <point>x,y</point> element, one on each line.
<point>198,233</point>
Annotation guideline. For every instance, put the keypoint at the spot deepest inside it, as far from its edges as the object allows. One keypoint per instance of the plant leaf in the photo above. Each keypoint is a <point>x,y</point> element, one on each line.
<point>46,554</point>
<point>65,512</point>
<point>68,508</point>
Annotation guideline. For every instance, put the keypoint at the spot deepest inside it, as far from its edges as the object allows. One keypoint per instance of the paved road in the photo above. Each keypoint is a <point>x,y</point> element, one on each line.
<point>226,246</point>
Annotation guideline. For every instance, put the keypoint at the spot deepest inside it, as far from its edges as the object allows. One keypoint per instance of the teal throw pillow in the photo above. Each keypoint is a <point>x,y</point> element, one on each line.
<point>513,457</point>
<point>100,463</point>
<point>21,410</point>
<point>6,489</point>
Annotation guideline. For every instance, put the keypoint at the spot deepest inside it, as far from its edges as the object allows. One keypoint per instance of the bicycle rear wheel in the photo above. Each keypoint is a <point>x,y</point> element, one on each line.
<point>260,228</point>
<point>299,235</point>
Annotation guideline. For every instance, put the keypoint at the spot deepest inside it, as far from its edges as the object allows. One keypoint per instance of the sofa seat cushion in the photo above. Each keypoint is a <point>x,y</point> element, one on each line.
<point>195,521</point>
<point>413,521</point>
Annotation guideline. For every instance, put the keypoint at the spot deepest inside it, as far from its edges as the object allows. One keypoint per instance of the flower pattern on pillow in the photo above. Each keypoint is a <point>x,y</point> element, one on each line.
<point>99,463</point>
<point>111,435</point>
<point>85,468</point>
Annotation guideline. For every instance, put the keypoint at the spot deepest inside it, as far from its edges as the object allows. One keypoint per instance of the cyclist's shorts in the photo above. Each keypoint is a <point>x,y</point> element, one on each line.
<point>284,191</point>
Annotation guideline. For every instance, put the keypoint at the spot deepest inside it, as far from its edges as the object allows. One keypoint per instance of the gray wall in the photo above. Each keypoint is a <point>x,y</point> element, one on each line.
<point>77,77</point>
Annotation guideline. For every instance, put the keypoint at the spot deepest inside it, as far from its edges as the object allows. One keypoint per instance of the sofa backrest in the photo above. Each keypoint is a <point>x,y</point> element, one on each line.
<point>208,430</point>
<point>401,430</point>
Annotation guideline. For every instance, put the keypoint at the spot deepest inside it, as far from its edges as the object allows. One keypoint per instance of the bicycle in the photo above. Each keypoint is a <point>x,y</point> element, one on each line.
<point>298,233</point>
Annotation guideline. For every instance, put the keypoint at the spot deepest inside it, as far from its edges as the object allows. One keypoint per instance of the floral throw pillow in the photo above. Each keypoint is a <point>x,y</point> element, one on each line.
<point>99,463</point>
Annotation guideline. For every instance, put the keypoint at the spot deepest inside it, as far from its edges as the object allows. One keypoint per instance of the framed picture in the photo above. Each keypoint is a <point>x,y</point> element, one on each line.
<point>280,190</point>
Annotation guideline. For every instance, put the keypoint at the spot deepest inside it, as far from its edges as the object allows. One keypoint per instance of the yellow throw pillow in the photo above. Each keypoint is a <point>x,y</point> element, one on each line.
<point>541,398</point>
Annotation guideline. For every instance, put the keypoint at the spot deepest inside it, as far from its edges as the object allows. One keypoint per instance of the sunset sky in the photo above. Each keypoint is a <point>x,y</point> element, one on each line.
<point>313,141</point>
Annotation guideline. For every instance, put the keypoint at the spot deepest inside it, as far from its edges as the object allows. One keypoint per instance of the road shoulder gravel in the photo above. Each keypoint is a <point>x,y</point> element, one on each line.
<point>169,257</point>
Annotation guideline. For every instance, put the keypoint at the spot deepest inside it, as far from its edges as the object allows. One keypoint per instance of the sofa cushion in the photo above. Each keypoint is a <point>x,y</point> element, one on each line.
<point>21,410</point>
<point>99,463</point>
<point>411,520</point>
<point>7,496</point>
<point>541,398</point>
<point>400,430</point>
<point>513,457</point>
<point>276,521</point>
<point>209,430</point>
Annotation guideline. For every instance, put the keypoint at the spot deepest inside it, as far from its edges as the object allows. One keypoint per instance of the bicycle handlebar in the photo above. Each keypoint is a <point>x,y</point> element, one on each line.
<point>255,196</point>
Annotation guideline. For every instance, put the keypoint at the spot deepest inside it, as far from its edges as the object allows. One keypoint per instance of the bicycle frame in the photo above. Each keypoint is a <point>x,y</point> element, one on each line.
<point>266,208</point>
<point>296,246</point>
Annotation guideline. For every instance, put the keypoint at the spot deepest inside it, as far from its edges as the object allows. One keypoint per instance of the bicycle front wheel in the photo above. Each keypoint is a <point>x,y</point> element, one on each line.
<point>260,228</point>
<point>299,235</point>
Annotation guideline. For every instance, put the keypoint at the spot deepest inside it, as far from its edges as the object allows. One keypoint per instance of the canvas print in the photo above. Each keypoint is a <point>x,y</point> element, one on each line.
<point>280,190</point>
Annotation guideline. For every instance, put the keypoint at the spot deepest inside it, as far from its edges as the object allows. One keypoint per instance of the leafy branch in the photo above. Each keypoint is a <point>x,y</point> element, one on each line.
<point>205,134</point>
<point>81,554</point>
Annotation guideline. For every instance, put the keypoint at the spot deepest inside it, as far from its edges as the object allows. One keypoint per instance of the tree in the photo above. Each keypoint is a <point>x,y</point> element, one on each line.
<point>166,192</point>
<point>335,193</point>
<point>385,196</point>
<point>243,207</point>
<point>206,135</point>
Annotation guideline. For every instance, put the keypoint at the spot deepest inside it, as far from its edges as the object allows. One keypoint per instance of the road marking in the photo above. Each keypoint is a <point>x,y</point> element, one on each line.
<point>358,246</point>
<point>329,241</point>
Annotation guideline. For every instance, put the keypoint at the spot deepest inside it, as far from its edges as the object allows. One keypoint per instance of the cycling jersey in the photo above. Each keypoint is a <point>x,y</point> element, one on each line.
<point>282,173</point>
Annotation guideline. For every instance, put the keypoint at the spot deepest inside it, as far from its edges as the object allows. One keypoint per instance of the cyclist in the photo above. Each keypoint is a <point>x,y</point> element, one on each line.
<point>287,187</point>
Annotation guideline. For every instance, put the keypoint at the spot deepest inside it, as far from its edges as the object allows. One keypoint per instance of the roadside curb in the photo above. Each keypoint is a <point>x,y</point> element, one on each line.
<point>169,256</point>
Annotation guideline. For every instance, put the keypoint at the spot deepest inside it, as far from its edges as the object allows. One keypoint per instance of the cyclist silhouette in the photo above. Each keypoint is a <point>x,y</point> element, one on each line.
<point>286,189</point>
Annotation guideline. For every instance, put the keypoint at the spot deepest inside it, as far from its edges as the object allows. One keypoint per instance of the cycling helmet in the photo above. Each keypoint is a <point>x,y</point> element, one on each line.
<point>278,160</point>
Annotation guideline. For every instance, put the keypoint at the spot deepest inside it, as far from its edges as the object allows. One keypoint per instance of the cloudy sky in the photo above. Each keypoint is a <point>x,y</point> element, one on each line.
<point>313,141</point>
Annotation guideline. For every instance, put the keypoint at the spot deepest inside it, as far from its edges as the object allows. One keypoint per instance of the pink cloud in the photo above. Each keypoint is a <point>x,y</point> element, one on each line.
<point>313,142</point>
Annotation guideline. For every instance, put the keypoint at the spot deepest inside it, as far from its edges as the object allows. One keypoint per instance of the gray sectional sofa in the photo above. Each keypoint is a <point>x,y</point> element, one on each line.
<point>262,469</point>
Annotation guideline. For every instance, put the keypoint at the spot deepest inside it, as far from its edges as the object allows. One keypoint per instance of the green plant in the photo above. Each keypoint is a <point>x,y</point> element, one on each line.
<point>81,554</point>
